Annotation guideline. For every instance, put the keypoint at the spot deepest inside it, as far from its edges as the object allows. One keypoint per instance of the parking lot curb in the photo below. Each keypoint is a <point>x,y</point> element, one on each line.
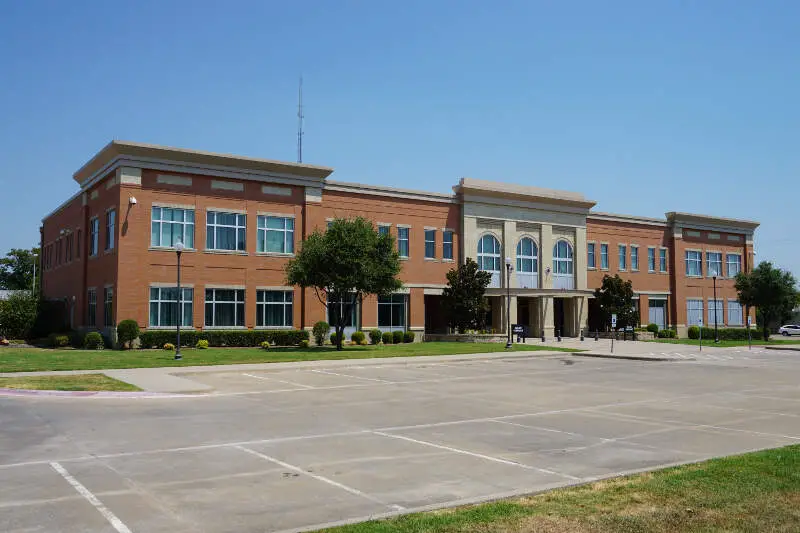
<point>628,357</point>
<point>90,394</point>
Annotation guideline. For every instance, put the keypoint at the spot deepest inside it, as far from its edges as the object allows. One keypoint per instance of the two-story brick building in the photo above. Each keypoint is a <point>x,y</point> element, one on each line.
<point>109,250</point>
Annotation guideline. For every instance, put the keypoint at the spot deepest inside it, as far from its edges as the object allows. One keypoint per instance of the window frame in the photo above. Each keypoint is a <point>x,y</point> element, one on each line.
<point>186,315</point>
<point>698,261</point>
<point>212,226</point>
<point>108,307</point>
<point>634,258</point>
<point>651,258</point>
<point>111,228</point>
<point>447,245</point>
<point>236,302</point>
<point>569,261</point>
<point>719,271</point>
<point>187,227</point>
<point>492,256</point>
<point>287,308</point>
<point>533,258</point>
<point>262,228</point>
<point>404,241</point>
<point>430,244</point>
<point>591,256</point>
<point>741,318</point>
<point>604,264</point>
<point>663,255</point>
<point>386,227</point>
<point>391,305</point>
<point>719,304</point>
<point>622,257</point>
<point>94,236</point>
<point>701,310</point>
<point>91,307</point>
<point>728,264</point>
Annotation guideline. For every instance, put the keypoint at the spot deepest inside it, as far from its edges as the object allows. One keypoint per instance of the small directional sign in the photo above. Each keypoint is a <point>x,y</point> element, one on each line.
<point>614,320</point>
<point>700,322</point>
<point>749,321</point>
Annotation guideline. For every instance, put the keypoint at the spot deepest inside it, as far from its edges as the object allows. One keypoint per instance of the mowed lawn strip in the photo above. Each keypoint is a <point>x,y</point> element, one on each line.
<point>727,343</point>
<point>42,359</point>
<point>749,493</point>
<point>80,382</point>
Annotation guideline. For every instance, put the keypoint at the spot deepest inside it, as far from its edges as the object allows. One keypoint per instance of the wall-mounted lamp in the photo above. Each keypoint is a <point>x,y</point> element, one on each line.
<point>132,200</point>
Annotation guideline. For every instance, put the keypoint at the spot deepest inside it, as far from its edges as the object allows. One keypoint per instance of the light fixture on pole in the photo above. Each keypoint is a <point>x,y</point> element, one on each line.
<point>508,300</point>
<point>178,249</point>
<point>716,331</point>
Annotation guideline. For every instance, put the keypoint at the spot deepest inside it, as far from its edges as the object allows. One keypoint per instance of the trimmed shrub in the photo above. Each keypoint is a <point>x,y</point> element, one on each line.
<point>168,346</point>
<point>408,336</point>
<point>357,337</point>
<point>694,332</point>
<point>320,331</point>
<point>94,341</point>
<point>333,338</point>
<point>233,338</point>
<point>77,339</point>
<point>57,340</point>
<point>375,336</point>
<point>202,344</point>
<point>732,334</point>
<point>387,337</point>
<point>667,334</point>
<point>127,332</point>
<point>265,345</point>
<point>304,343</point>
<point>652,328</point>
<point>397,337</point>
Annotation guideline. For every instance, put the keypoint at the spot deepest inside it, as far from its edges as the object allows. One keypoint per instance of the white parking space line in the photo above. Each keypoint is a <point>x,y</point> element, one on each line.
<point>478,455</point>
<point>324,479</point>
<point>91,498</point>
<point>352,376</point>
<point>265,378</point>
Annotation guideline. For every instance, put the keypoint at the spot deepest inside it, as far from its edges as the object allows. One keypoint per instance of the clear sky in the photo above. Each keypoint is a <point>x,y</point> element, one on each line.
<point>645,107</point>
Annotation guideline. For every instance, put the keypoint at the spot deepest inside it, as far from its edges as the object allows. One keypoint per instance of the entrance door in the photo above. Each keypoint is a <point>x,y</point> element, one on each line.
<point>657,313</point>
<point>558,315</point>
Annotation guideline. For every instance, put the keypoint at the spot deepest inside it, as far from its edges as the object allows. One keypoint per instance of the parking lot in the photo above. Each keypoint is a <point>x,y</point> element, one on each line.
<point>296,449</point>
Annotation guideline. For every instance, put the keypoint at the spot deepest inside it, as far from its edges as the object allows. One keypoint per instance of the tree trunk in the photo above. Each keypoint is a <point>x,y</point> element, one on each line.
<point>339,336</point>
<point>765,332</point>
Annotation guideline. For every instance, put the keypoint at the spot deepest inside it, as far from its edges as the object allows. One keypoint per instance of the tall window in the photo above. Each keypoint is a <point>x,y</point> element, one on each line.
<point>91,308</point>
<point>694,312</point>
<point>383,229</point>
<point>735,314</point>
<point>224,308</point>
<point>94,235</point>
<point>719,318</point>
<point>225,231</point>
<point>713,264</point>
<point>274,308</point>
<point>489,257</point>
<point>345,308</point>
<point>111,223</point>
<point>591,261</point>
<point>662,260</point>
<point>430,244</point>
<point>623,257</point>
<point>108,307</point>
<point>169,225</point>
<point>78,251</point>
<point>70,240</point>
<point>402,241</point>
<point>275,234</point>
<point>651,259</point>
<point>164,307</point>
<point>734,263</point>
<point>447,244</point>
<point>694,263</point>
<point>562,266</point>
<point>604,256</point>
<point>634,257</point>
<point>527,263</point>
<point>392,312</point>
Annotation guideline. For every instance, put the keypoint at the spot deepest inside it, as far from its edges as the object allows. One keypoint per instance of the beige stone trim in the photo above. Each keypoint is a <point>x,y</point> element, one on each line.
<point>276,190</point>
<point>313,195</point>
<point>169,249</point>
<point>168,179</point>
<point>433,292</point>
<point>279,288</point>
<point>227,185</point>
<point>274,254</point>
<point>129,175</point>
<point>392,192</point>
<point>735,238</point>
<point>225,252</point>
<point>223,286</point>
<point>227,210</point>
<point>94,194</point>
<point>170,285</point>
<point>275,215</point>
<point>714,236</point>
<point>173,206</point>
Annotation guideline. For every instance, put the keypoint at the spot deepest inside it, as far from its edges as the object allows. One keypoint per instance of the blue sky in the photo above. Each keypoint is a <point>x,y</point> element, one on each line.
<point>645,107</point>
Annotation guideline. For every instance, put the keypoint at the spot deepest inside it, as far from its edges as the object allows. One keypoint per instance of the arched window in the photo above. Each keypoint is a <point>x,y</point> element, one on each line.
<point>527,263</point>
<point>562,266</point>
<point>489,257</point>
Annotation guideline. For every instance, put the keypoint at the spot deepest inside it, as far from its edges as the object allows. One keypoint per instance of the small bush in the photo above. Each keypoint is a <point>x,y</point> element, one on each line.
<point>375,336</point>
<point>652,328</point>
<point>127,332</point>
<point>357,337</point>
<point>77,339</point>
<point>202,344</point>
<point>168,346</point>
<point>304,343</point>
<point>94,341</point>
<point>320,331</point>
<point>397,337</point>
<point>58,340</point>
<point>408,336</point>
<point>694,332</point>
<point>333,338</point>
<point>667,334</point>
<point>265,345</point>
<point>218,338</point>
<point>387,337</point>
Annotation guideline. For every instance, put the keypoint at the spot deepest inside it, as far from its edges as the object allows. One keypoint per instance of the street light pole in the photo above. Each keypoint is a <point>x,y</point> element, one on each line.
<point>178,249</point>
<point>508,300</point>
<point>33,283</point>
<point>716,331</point>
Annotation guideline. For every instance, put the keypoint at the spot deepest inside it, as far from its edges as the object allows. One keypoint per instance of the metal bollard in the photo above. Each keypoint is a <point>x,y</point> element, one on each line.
<point>596,335</point>
<point>558,334</point>
<point>581,334</point>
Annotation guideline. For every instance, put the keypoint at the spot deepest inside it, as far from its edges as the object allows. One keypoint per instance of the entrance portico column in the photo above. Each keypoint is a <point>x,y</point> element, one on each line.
<point>547,316</point>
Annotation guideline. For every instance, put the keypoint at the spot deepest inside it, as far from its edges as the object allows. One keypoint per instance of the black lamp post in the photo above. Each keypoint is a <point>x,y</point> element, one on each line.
<point>508,300</point>
<point>178,249</point>
<point>716,331</point>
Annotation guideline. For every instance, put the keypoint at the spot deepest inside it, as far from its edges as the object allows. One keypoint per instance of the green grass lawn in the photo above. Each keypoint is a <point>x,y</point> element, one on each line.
<point>82,382</point>
<point>755,492</point>
<point>727,344</point>
<point>38,359</point>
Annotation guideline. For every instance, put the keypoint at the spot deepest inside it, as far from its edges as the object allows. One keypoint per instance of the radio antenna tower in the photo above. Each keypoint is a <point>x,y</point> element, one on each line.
<point>300,122</point>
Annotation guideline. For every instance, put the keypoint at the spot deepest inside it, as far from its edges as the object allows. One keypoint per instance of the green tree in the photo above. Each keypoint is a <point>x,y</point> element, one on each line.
<point>16,269</point>
<point>343,264</point>
<point>615,296</point>
<point>463,299</point>
<point>18,314</point>
<point>771,290</point>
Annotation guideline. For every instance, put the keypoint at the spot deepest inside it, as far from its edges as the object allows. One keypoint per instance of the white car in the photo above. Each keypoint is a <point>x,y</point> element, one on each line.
<point>789,329</point>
